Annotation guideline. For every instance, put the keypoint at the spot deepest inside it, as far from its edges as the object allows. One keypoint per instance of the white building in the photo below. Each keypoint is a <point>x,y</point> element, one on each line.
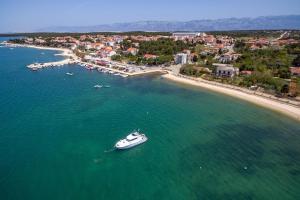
<point>111,53</point>
<point>73,46</point>
<point>110,43</point>
<point>181,58</point>
<point>29,40</point>
<point>88,46</point>
<point>188,34</point>
<point>40,41</point>
<point>225,70</point>
<point>185,35</point>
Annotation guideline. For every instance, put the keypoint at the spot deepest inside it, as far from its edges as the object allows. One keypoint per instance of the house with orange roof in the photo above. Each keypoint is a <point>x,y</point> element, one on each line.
<point>132,51</point>
<point>97,45</point>
<point>295,71</point>
<point>148,56</point>
<point>246,72</point>
<point>109,48</point>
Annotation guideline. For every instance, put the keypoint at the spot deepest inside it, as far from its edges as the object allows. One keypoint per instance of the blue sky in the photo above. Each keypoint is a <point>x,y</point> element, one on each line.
<point>30,15</point>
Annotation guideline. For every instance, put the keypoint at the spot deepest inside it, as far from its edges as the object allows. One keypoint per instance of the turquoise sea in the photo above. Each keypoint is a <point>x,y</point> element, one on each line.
<point>57,134</point>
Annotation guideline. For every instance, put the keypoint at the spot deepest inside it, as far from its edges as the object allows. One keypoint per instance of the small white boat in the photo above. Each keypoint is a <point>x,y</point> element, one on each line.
<point>133,139</point>
<point>69,74</point>
<point>98,86</point>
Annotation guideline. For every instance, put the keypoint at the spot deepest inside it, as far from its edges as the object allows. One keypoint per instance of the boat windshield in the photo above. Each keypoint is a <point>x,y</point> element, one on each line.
<point>131,139</point>
<point>135,134</point>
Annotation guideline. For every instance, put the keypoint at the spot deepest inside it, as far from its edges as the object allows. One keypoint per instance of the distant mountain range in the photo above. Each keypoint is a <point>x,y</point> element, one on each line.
<point>259,23</point>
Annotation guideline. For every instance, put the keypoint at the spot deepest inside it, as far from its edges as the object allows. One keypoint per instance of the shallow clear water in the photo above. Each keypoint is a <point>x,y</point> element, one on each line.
<point>56,133</point>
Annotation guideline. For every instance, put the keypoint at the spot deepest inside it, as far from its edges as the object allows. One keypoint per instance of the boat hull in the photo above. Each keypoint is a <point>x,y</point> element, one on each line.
<point>132,145</point>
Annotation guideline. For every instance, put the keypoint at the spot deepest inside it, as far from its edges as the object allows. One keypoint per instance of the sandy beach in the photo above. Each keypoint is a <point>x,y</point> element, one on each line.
<point>284,108</point>
<point>64,52</point>
<point>70,57</point>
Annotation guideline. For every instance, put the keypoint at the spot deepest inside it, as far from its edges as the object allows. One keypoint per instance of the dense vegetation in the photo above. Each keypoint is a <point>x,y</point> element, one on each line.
<point>162,47</point>
<point>295,34</point>
<point>248,33</point>
<point>269,66</point>
<point>193,70</point>
<point>17,41</point>
<point>276,61</point>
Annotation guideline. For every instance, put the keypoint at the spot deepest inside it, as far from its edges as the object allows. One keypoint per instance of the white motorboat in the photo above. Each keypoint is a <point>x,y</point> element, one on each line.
<point>133,139</point>
<point>70,74</point>
<point>98,86</point>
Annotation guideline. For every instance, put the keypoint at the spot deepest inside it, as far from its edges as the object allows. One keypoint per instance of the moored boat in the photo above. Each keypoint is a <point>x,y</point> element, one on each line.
<point>69,73</point>
<point>98,86</point>
<point>133,139</point>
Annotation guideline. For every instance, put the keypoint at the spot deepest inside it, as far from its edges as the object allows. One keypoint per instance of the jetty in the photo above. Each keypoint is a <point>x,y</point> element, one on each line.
<point>103,65</point>
<point>36,66</point>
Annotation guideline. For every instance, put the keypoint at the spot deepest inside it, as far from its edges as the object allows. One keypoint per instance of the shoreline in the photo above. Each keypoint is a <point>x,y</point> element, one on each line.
<point>65,52</point>
<point>70,54</point>
<point>290,110</point>
<point>286,109</point>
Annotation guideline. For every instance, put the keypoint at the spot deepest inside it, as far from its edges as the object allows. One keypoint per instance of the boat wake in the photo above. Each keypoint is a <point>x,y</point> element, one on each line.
<point>110,150</point>
<point>97,160</point>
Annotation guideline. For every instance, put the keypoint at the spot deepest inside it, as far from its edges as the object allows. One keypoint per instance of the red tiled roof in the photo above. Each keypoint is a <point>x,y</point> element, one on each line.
<point>147,56</point>
<point>246,72</point>
<point>295,70</point>
<point>131,49</point>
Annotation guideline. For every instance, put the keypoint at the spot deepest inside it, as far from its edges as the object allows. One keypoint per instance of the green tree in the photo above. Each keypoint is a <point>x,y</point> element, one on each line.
<point>116,57</point>
<point>163,46</point>
<point>296,61</point>
<point>284,73</point>
<point>199,48</point>
<point>285,89</point>
<point>240,45</point>
<point>195,58</point>
<point>125,44</point>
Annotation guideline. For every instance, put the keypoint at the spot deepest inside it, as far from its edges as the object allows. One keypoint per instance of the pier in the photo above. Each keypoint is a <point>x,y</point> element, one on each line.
<point>129,70</point>
<point>36,66</point>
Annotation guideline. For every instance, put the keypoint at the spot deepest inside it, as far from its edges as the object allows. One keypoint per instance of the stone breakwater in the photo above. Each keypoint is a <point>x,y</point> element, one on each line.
<point>36,66</point>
